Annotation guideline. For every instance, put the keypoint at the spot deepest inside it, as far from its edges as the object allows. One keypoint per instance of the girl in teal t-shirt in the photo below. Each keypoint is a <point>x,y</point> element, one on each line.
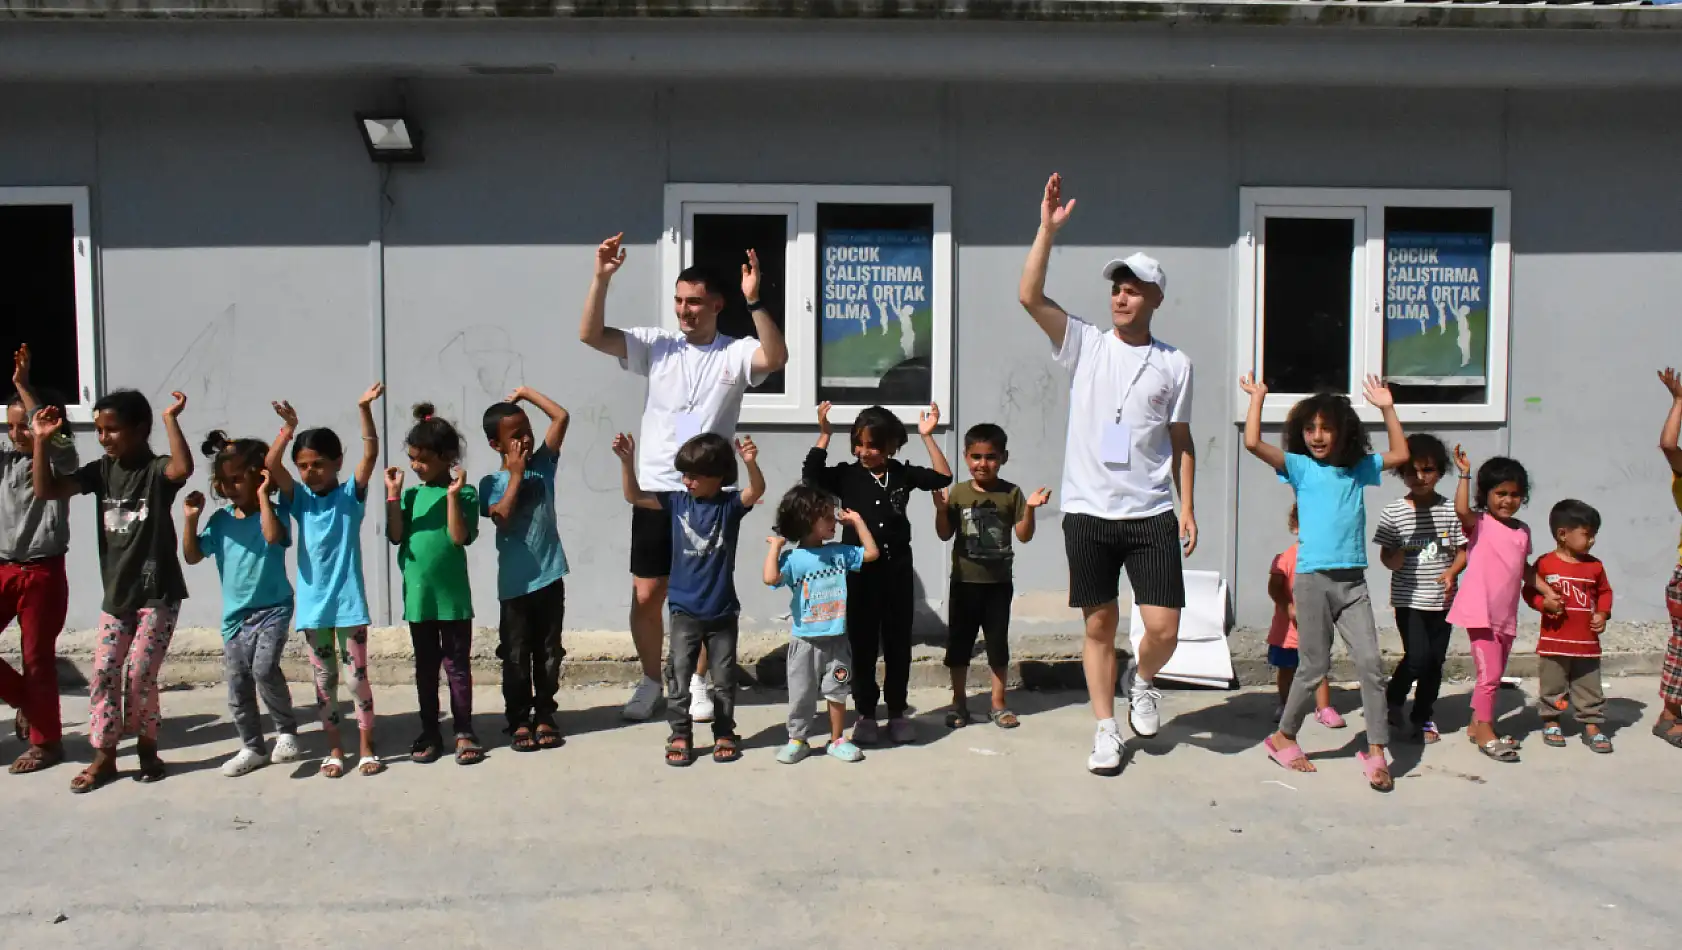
<point>432,524</point>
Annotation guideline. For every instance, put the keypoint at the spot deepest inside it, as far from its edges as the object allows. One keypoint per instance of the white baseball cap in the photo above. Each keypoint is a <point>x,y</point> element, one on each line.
<point>1142,266</point>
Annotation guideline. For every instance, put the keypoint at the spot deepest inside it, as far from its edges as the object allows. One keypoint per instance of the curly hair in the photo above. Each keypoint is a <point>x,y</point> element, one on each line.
<point>248,454</point>
<point>435,435</point>
<point>1498,471</point>
<point>1337,414</point>
<point>800,509</point>
<point>886,431</point>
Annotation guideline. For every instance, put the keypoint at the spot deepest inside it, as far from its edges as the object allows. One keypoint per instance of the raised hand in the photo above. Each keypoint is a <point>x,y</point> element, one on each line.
<point>749,451</point>
<point>1054,211</point>
<point>1251,387</point>
<point>1672,381</point>
<point>1039,498</point>
<point>265,485</point>
<point>288,415</point>
<point>776,541</point>
<point>48,422</point>
<point>1461,461</point>
<point>517,395</point>
<point>20,368</point>
<point>393,482</point>
<point>458,478</point>
<point>750,277</point>
<point>928,419</point>
<point>610,256</point>
<point>515,459</point>
<point>193,505</point>
<point>1378,393</point>
<point>625,447</point>
<point>173,410</point>
<point>374,392</point>
<point>849,516</point>
<point>823,419</point>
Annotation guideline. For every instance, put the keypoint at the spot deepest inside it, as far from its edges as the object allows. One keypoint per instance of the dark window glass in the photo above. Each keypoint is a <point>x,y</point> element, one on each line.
<point>38,302</point>
<point>1305,307</point>
<point>720,243</point>
<point>875,309</point>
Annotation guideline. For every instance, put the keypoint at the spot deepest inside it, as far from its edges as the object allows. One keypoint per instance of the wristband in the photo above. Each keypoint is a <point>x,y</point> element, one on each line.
<point>1467,476</point>
<point>390,498</point>
<point>755,305</point>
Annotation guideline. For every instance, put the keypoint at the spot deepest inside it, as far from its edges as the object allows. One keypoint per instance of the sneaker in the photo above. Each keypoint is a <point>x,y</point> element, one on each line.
<point>796,750</point>
<point>286,749</point>
<point>1142,698</point>
<point>845,751</point>
<point>901,731</point>
<point>647,695</point>
<point>700,700</point>
<point>865,732</point>
<point>1106,751</point>
<point>244,763</point>
<point>1329,718</point>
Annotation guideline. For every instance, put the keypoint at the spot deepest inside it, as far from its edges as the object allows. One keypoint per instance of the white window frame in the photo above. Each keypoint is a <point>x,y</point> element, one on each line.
<point>1366,206</point>
<point>83,252</point>
<point>798,404</point>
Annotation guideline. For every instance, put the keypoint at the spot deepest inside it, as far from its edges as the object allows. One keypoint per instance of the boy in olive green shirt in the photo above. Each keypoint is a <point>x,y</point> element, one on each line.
<point>982,513</point>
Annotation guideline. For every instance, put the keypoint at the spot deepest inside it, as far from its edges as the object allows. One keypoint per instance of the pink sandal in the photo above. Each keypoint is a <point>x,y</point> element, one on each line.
<point>1287,758</point>
<point>1329,718</point>
<point>1372,765</point>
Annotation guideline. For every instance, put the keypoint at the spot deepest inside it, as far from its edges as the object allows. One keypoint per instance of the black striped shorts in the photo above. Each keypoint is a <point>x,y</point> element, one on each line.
<point>1148,548</point>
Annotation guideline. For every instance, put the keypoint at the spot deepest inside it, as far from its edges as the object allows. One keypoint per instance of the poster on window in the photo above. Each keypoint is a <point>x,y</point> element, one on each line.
<point>1436,308</point>
<point>878,304</point>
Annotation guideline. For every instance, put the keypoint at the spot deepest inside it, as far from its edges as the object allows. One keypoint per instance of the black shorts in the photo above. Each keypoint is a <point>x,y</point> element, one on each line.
<point>1148,548</point>
<point>651,542</point>
<point>978,607</point>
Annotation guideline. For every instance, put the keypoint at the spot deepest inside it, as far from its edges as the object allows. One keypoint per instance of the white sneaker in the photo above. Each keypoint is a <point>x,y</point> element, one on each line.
<point>1106,751</point>
<point>286,749</point>
<point>1142,698</point>
<point>700,700</point>
<point>647,695</point>
<point>244,763</point>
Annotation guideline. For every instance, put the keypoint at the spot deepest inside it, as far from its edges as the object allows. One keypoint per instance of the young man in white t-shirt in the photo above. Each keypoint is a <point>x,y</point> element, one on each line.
<point>1129,445</point>
<point>696,378</point>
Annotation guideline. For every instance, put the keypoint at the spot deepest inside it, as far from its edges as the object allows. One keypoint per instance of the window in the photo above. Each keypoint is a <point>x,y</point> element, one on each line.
<point>1411,286</point>
<point>858,278</point>
<point>46,268</point>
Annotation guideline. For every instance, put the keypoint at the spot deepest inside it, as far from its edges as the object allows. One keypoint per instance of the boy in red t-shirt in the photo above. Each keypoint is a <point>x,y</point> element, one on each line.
<point>1574,615</point>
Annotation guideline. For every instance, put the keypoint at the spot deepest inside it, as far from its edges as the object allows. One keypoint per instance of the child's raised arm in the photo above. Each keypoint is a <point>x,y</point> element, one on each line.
<point>370,438</point>
<point>1463,492</point>
<point>866,539</point>
<point>20,382</point>
<point>942,515</point>
<point>1025,526</point>
<point>772,575</point>
<point>180,467</point>
<point>394,505</point>
<point>823,426</point>
<point>926,423</point>
<point>559,419</point>
<point>274,530</point>
<point>756,478</point>
<point>1378,394</point>
<point>815,470</point>
<point>49,484</point>
<point>1267,452</point>
<point>626,448</point>
<point>1673,422</point>
<point>191,508</point>
<point>274,466</point>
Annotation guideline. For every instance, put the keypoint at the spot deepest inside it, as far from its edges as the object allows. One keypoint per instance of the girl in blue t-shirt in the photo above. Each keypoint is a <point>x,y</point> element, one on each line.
<point>332,599</point>
<point>248,538</point>
<point>1328,460</point>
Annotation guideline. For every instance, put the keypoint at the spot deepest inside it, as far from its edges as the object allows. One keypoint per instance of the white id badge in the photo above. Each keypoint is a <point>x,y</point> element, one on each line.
<point>688,426</point>
<point>1117,446</point>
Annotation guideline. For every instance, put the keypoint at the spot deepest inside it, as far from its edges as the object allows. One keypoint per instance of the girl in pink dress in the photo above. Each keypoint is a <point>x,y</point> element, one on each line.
<point>1498,568</point>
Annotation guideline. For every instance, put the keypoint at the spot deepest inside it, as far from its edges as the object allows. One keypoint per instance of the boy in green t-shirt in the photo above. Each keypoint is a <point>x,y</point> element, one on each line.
<point>982,513</point>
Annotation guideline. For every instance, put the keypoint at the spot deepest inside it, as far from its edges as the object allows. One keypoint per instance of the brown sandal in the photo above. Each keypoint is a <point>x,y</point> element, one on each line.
<point>36,759</point>
<point>91,778</point>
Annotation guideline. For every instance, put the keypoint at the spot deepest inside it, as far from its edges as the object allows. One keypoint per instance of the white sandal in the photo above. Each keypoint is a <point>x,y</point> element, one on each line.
<point>331,761</point>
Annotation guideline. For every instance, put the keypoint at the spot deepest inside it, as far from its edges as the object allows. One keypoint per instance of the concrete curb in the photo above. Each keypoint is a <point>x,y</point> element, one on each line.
<point>1040,660</point>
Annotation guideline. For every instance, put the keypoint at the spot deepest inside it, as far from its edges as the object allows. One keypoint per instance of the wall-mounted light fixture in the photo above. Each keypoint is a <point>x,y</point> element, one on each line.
<point>390,137</point>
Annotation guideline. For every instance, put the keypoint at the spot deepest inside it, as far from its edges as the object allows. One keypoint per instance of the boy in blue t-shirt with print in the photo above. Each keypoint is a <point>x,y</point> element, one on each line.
<point>819,657</point>
<point>531,565</point>
<point>706,519</point>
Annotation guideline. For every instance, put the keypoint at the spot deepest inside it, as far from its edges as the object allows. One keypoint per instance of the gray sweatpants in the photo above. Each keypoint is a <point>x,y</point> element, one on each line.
<point>251,659</point>
<point>1328,600</point>
<point>816,666</point>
